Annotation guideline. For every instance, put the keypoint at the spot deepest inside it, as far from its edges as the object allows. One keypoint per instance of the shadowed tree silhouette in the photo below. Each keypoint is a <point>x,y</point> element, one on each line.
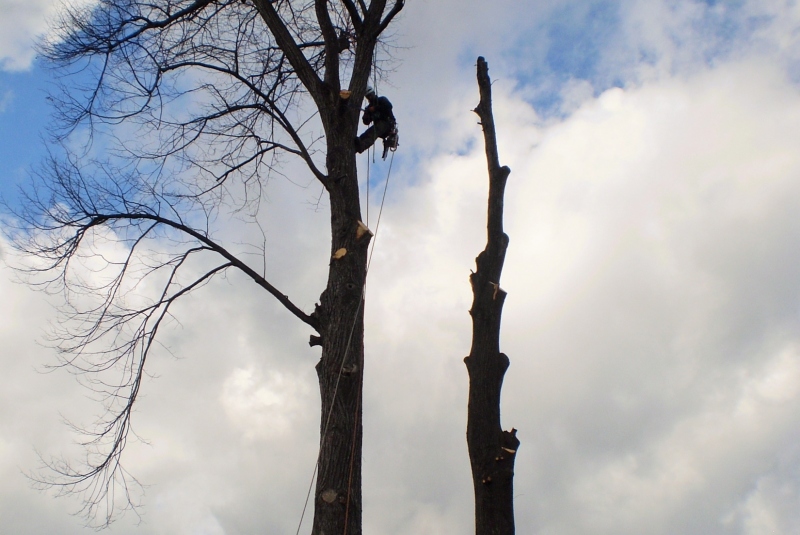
<point>492,451</point>
<point>176,116</point>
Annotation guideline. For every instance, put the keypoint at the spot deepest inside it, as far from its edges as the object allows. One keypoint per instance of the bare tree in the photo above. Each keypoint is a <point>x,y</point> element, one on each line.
<point>492,451</point>
<point>189,108</point>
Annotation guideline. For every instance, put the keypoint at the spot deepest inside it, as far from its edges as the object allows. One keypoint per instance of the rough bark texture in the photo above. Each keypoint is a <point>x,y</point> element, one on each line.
<point>340,369</point>
<point>492,451</point>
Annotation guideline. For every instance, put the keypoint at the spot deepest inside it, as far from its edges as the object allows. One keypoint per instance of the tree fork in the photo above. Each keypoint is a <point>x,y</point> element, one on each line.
<point>492,451</point>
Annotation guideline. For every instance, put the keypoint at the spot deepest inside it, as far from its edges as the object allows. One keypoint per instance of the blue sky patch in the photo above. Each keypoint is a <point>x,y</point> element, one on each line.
<point>576,37</point>
<point>23,121</point>
<point>722,28</point>
<point>569,45</point>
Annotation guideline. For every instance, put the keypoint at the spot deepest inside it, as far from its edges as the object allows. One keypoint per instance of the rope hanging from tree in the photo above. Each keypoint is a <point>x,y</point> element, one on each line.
<point>341,368</point>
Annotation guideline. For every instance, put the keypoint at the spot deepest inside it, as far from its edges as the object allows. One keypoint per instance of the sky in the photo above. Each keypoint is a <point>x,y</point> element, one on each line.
<point>653,278</point>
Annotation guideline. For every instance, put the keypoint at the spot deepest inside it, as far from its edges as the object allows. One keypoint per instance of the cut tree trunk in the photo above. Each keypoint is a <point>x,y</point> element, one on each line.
<point>492,451</point>
<point>340,369</point>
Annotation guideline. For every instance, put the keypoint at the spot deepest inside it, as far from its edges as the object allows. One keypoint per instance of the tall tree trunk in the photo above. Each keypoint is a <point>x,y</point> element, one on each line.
<point>340,369</point>
<point>491,450</point>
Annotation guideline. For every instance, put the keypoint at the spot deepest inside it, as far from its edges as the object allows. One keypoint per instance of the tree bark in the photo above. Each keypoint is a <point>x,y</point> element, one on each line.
<point>492,451</point>
<point>340,369</point>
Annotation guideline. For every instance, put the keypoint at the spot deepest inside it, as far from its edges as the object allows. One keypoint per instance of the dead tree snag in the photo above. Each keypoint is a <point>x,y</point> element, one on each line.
<point>492,451</point>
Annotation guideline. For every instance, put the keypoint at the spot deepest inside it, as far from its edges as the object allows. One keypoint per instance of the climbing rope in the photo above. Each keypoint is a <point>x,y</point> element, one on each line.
<point>341,367</point>
<point>380,212</point>
<point>375,87</point>
<point>367,196</point>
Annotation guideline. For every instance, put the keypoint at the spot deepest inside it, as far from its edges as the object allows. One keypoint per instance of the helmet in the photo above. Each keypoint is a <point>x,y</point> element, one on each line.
<point>370,93</point>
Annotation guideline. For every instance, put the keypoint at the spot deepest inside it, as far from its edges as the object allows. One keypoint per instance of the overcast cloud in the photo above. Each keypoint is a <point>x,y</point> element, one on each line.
<point>652,322</point>
<point>23,22</point>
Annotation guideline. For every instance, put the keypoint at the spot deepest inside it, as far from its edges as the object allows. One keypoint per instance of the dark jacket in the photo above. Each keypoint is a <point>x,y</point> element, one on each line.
<point>379,109</point>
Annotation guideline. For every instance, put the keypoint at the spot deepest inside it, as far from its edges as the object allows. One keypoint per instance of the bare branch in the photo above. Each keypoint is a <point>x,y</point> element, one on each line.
<point>89,205</point>
<point>289,46</point>
<point>103,474</point>
<point>331,45</point>
<point>355,16</point>
<point>398,6</point>
<point>213,246</point>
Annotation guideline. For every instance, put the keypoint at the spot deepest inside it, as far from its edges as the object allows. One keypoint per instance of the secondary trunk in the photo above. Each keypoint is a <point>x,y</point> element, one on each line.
<point>491,450</point>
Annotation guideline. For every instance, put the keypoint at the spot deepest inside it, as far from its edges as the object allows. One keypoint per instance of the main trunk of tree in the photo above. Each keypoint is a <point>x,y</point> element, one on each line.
<point>340,369</point>
<point>491,450</point>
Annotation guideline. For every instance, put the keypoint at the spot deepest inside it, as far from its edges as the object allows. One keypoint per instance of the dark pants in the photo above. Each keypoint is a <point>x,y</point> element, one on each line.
<point>380,129</point>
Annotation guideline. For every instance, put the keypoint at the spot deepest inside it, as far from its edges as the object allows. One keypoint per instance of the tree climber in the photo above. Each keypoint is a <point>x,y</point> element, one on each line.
<point>379,113</point>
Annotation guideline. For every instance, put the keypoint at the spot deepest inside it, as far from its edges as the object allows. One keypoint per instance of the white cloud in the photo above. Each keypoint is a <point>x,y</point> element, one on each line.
<point>23,22</point>
<point>771,507</point>
<point>678,197</point>
<point>263,408</point>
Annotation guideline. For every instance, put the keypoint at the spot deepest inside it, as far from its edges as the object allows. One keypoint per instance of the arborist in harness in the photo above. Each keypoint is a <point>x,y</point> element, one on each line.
<point>384,126</point>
